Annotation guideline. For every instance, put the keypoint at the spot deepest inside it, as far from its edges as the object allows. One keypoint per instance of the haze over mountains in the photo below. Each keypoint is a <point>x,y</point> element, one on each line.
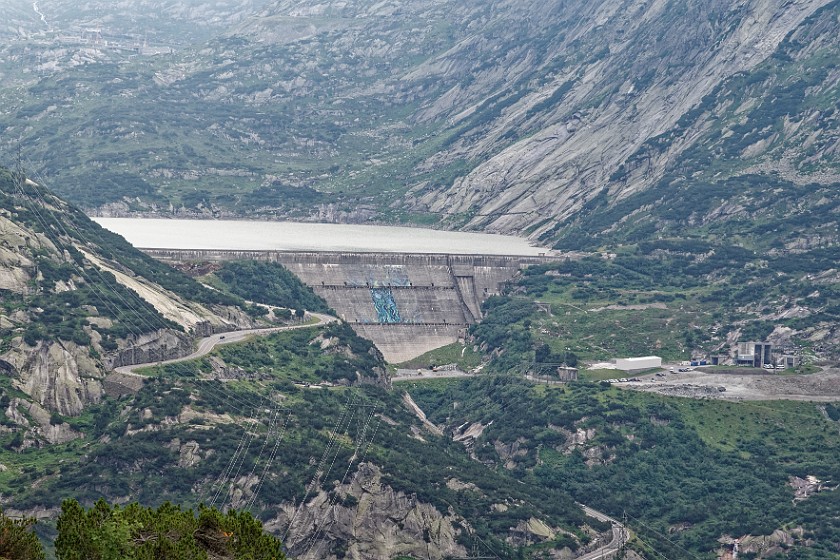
<point>559,120</point>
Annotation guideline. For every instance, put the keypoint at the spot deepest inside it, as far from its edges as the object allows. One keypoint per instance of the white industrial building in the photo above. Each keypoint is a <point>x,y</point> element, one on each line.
<point>638,364</point>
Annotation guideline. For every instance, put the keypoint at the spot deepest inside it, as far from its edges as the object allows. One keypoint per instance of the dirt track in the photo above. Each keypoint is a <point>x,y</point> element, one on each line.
<point>822,386</point>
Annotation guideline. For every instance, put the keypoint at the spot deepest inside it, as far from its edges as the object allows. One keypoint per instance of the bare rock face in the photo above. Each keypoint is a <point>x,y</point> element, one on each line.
<point>151,347</point>
<point>763,546</point>
<point>189,454</point>
<point>41,424</point>
<point>16,268</point>
<point>605,107</point>
<point>509,452</point>
<point>368,520</point>
<point>58,376</point>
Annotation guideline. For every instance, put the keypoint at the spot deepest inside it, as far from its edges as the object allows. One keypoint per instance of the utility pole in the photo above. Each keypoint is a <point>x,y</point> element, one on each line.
<point>624,535</point>
<point>19,169</point>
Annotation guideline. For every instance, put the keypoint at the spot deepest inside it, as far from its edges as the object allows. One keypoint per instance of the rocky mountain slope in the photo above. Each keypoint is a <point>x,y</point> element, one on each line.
<point>78,300</point>
<point>629,75</point>
<point>269,426</point>
<point>527,117</point>
<point>298,427</point>
<point>168,22</point>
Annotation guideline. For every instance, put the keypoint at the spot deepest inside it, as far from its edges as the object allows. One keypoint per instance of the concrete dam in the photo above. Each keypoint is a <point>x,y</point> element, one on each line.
<point>407,304</point>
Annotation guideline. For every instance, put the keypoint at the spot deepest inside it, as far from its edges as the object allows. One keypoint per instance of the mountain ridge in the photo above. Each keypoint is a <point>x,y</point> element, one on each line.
<point>478,118</point>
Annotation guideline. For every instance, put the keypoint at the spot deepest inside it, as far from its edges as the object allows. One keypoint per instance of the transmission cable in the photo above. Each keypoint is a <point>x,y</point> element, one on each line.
<point>96,288</point>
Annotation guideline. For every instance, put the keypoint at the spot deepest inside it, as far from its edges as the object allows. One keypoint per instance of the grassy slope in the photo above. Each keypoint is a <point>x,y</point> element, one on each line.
<point>672,299</point>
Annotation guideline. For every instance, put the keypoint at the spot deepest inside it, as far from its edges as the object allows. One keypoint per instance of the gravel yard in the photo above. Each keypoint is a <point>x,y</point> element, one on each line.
<point>822,386</point>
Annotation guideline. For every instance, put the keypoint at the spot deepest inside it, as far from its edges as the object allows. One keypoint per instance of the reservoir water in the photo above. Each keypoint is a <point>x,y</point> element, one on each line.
<point>293,236</point>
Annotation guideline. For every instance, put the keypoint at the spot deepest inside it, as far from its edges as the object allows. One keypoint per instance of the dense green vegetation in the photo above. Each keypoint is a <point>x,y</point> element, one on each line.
<point>690,471</point>
<point>269,283</point>
<point>106,532</point>
<point>17,541</point>
<point>333,353</point>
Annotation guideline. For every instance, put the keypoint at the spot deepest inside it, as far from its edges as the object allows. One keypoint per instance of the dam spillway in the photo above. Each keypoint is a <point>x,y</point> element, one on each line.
<point>407,304</point>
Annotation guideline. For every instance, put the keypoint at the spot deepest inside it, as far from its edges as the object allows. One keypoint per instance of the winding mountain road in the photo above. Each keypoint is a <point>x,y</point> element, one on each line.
<point>618,536</point>
<point>207,344</point>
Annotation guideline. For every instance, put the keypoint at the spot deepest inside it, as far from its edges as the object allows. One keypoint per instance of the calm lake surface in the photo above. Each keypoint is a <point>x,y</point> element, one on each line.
<point>293,236</point>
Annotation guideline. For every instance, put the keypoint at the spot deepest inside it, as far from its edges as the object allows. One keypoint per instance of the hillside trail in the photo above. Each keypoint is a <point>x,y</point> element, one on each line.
<point>207,344</point>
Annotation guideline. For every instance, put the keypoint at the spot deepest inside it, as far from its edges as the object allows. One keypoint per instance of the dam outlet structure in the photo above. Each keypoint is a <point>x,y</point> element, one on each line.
<point>407,304</point>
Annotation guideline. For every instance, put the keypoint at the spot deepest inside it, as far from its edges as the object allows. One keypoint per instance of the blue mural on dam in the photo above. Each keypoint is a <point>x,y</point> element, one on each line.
<point>386,307</point>
<point>378,276</point>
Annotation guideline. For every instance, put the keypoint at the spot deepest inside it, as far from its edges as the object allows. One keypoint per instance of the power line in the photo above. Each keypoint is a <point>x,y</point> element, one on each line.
<point>321,526</point>
<point>97,271</point>
<point>97,289</point>
<point>652,530</point>
<point>232,462</point>
<point>268,463</point>
<point>315,476</point>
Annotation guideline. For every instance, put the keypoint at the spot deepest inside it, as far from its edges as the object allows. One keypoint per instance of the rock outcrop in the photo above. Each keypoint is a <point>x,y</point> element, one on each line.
<point>60,376</point>
<point>151,347</point>
<point>40,421</point>
<point>79,302</point>
<point>365,519</point>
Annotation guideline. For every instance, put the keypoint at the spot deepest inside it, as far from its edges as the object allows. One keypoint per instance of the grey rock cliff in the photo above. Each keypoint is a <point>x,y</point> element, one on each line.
<point>655,62</point>
<point>380,523</point>
<point>60,377</point>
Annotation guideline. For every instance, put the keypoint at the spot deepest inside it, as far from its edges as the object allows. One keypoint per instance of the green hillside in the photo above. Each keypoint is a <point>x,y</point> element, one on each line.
<point>674,298</point>
<point>270,437</point>
<point>685,472</point>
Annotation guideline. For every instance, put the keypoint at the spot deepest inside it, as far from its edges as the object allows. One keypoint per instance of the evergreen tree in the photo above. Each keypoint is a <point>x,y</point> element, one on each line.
<point>133,532</point>
<point>17,541</point>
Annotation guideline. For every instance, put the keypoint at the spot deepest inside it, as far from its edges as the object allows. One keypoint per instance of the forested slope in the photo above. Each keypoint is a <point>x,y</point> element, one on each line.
<point>691,475</point>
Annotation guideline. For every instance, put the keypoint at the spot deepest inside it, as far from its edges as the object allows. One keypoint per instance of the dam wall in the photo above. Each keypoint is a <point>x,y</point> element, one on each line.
<point>407,304</point>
